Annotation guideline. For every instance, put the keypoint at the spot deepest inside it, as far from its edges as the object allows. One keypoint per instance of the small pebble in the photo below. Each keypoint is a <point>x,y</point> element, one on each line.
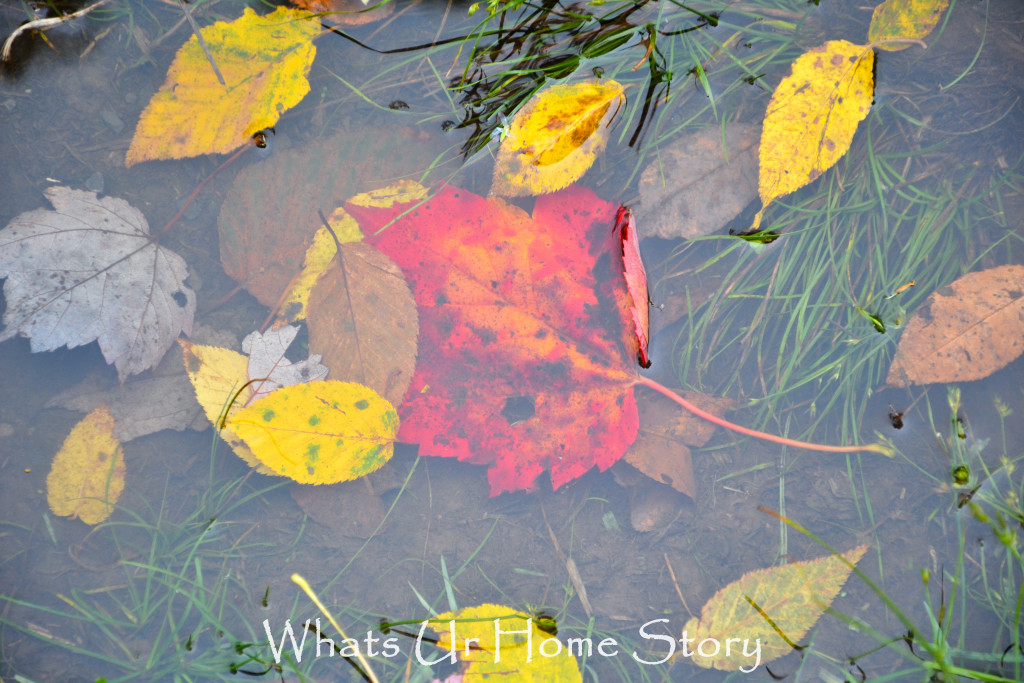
<point>112,120</point>
<point>94,183</point>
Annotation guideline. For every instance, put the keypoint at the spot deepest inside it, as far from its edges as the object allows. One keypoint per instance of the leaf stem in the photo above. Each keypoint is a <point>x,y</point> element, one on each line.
<point>703,414</point>
<point>199,188</point>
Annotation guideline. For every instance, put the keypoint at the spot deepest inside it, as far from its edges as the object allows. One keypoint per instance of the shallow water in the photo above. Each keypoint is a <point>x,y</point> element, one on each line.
<point>201,549</point>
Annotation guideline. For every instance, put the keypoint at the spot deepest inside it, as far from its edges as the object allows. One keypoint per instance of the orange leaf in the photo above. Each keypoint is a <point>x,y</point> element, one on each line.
<point>965,331</point>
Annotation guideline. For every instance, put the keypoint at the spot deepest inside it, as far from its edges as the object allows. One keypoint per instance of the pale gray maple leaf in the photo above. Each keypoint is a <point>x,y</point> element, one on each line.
<point>267,361</point>
<point>88,270</point>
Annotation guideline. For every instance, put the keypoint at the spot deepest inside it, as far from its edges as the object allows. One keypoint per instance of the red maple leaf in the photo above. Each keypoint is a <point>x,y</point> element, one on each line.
<point>516,367</point>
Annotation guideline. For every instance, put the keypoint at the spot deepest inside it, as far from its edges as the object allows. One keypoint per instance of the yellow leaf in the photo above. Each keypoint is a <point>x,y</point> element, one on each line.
<point>264,61</point>
<point>398,192</point>
<point>319,432</point>
<point>506,646</point>
<point>910,19</point>
<point>87,475</point>
<point>319,255</point>
<point>217,375</point>
<point>789,599</point>
<point>555,138</point>
<point>812,117</point>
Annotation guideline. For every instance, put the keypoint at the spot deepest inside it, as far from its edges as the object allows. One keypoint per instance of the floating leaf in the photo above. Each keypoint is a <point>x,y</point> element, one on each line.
<point>555,138</point>
<point>319,255</point>
<point>812,117</point>
<point>787,599</point>
<point>965,331</point>
<point>904,19</point>
<point>218,376</point>
<point>516,368</point>
<point>87,474</point>
<point>271,212</point>
<point>89,270</point>
<point>320,432</point>
<point>268,364</point>
<point>498,643</point>
<point>699,183</point>
<point>264,61</point>
<point>363,318</point>
<point>639,305</point>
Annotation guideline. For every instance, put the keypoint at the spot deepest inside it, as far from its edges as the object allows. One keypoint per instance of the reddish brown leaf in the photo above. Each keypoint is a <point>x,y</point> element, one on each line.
<point>516,369</point>
<point>636,282</point>
<point>966,330</point>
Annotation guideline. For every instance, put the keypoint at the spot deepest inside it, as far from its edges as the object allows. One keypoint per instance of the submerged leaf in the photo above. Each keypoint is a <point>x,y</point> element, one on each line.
<point>268,365</point>
<point>516,367</point>
<point>264,62</point>
<point>89,270</point>
<point>87,474</point>
<point>555,138</point>
<point>965,331</point>
<point>910,19</point>
<point>812,117</point>
<point>363,318</point>
<point>699,183</point>
<point>765,603</point>
<point>319,432</point>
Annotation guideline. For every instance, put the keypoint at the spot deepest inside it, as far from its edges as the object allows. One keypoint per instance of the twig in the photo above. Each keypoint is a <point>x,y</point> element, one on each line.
<point>202,43</point>
<point>42,25</point>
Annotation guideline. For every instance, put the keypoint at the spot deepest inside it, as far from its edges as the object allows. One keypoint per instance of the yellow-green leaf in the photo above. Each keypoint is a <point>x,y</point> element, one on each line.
<point>787,599</point>
<point>319,254</point>
<point>812,117</point>
<point>264,61</point>
<point>904,19</point>
<point>319,432</point>
<point>555,138</point>
<point>217,374</point>
<point>87,474</point>
<point>511,656</point>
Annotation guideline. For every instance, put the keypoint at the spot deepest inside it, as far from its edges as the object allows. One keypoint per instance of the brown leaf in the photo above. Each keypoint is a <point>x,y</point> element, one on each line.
<point>696,185</point>
<point>270,214</point>
<point>965,331</point>
<point>363,320</point>
<point>661,450</point>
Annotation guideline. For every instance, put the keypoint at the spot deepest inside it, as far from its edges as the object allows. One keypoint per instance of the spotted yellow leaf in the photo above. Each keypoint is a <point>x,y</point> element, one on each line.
<point>777,605</point>
<point>87,474</point>
<point>219,375</point>
<point>505,645</point>
<point>896,20</point>
<point>555,138</point>
<point>264,61</point>
<point>812,117</point>
<point>319,432</point>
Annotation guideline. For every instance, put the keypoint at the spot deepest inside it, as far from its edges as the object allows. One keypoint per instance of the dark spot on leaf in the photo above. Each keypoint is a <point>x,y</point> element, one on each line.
<point>518,409</point>
<point>180,298</point>
<point>362,404</point>
<point>314,421</point>
<point>268,415</point>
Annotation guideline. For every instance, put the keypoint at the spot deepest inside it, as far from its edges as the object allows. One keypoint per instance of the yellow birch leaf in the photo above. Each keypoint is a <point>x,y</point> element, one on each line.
<point>398,192</point>
<point>264,61</point>
<point>217,374</point>
<point>555,138</point>
<point>910,19</point>
<point>319,432</point>
<point>812,117</point>
<point>319,255</point>
<point>789,599</point>
<point>506,646</point>
<point>87,474</point>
